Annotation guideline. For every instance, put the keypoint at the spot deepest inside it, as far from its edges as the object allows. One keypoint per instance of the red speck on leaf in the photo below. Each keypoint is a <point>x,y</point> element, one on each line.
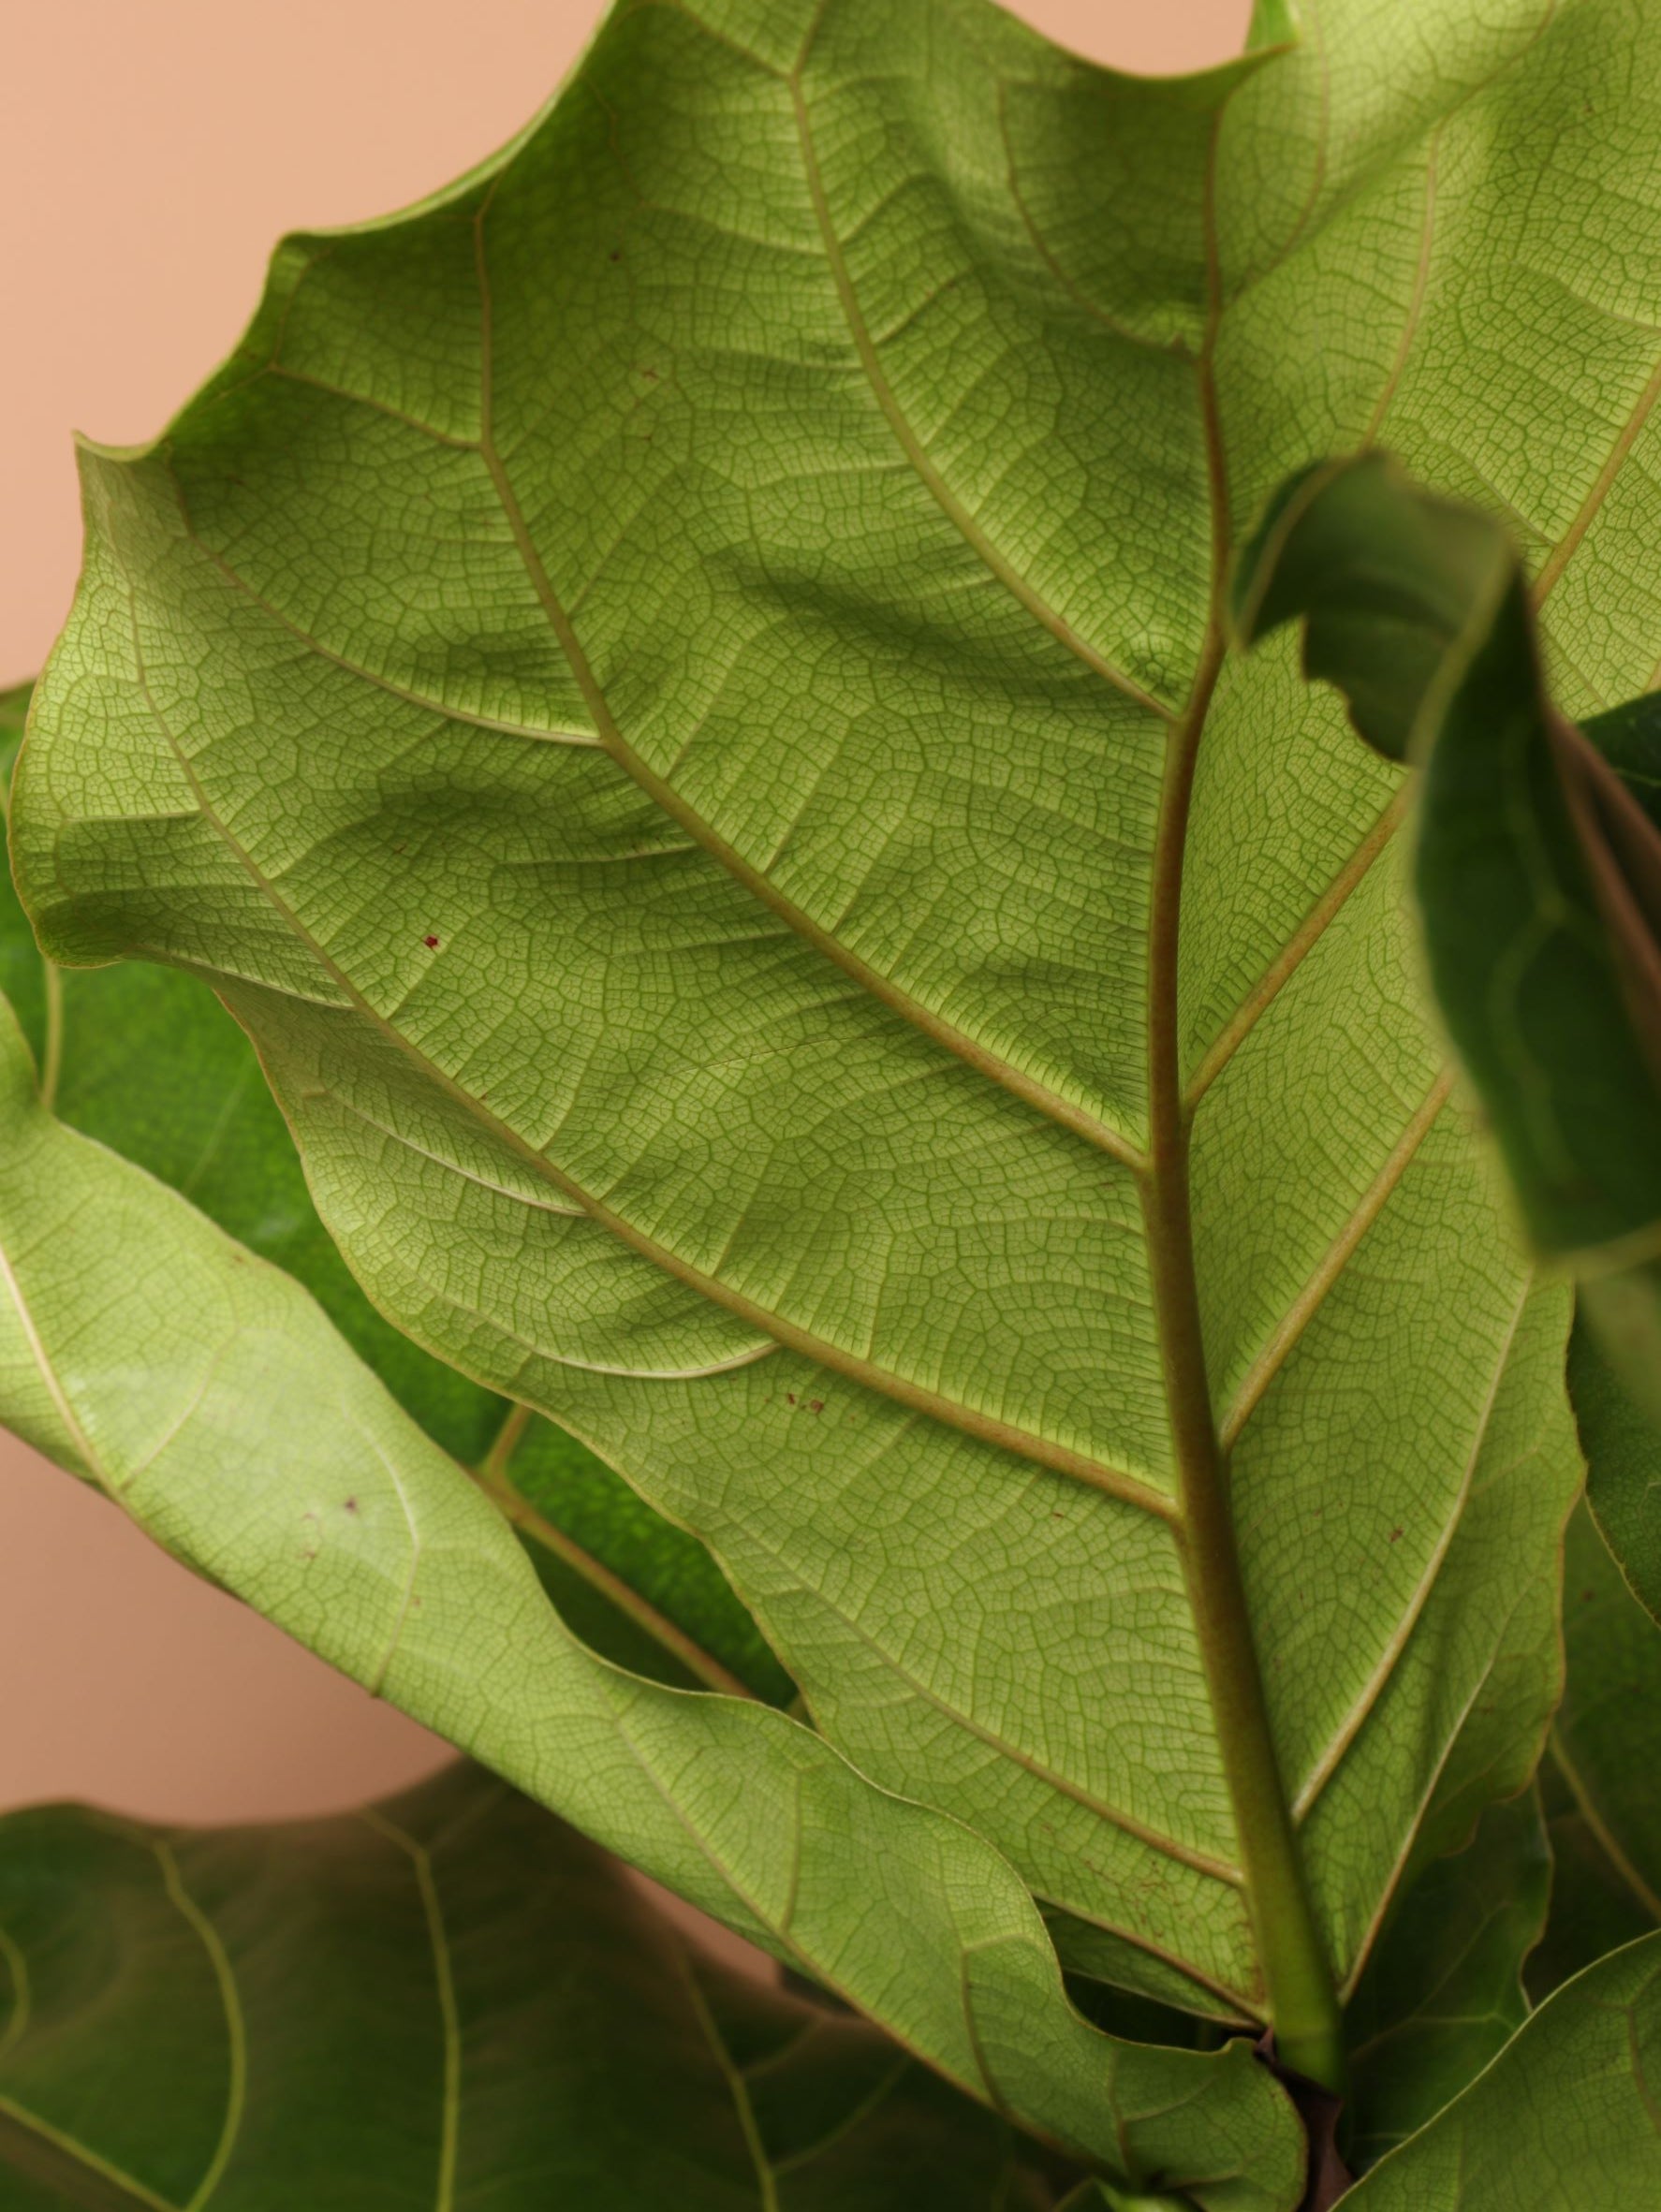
<point>790,1395</point>
<point>815,1405</point>
<point>431,944</point>
<point>351,1505</point>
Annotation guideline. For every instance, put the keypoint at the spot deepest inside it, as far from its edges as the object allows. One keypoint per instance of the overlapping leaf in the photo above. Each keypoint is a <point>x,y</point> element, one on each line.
<point>1564,2119</point>
<point>208,1394</point>
<point>1602,1775</point>
<point>1623,1446</point>
<point>666,689</point>
<point>1444,1994</point>
<point>450,1998</point>
<point>1537,868</point>
<point>145,1060</point>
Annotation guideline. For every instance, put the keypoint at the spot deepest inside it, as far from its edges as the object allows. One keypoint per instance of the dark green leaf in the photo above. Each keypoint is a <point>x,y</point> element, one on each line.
<point>1443,1992</point>
<point>1537,872</point>
<point>451,1999</point>
<point>1567,2118</point>
<point>1602,1775</point>
<point>1623,1447</point>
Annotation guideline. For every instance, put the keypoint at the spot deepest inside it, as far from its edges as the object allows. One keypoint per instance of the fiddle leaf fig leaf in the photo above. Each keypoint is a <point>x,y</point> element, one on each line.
<point>1536,869</point>
<point>1563,2119</point>
<point>1623,1447</point>
<point>679,692</point>
<point>1444,1991</point>
<point>209,1395</point>
<point>449,1999</point>
<point>147,1060</point>
<point>1602,1773</point>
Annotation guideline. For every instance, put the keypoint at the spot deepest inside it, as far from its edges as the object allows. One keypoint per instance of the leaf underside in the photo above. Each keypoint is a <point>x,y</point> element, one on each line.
<point>1602,1774</point>
<point>661,688</point>
<point>207,1392</point>
<point>1565,2117</point>
<point>145,1060</point>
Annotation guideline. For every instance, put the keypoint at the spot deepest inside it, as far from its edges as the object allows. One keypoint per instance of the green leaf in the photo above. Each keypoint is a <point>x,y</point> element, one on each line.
<point>1536,871</point>
<point>1622,1450</point>
<point>1603,1771</point>
<point>147,1060</point>
<point>1442,1993</point>
<point>208,1393</point>
<point>1097,2197</point>
<point>677,690</point>
<point>1564,2119</point>
<point>449,1999</point>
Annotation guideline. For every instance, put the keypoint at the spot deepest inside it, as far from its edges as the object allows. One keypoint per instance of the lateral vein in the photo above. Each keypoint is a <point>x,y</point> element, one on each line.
<point>235,2026</point>
<point>1296,949</point>
<point>916,454</point>
<point>1049,1102</point>
<point>444,1977</point>
<point>1331,1757</point>
<point>1332,1264</point>
<point>988,1428</point>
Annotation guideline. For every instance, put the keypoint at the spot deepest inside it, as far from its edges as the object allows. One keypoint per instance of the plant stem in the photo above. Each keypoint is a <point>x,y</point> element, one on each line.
<point>492,1478</point>
<point>492,1468</point>
<point>52,1058</point>
<point>1297,1982</point>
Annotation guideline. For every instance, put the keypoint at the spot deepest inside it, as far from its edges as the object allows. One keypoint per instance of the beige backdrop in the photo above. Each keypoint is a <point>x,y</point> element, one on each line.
<point>154,150</point>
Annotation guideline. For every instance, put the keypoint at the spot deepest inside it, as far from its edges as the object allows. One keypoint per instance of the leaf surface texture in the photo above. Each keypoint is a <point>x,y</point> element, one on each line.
<point>208,1394</point>
<point>678,692</point>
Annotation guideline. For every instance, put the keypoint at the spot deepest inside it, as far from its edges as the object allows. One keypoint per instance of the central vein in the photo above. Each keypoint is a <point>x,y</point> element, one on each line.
<point>1301,1997</point>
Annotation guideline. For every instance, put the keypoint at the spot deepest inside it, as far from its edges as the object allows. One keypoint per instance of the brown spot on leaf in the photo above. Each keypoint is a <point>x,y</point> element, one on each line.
<point>431,944</point>
<point>1395,1535</point>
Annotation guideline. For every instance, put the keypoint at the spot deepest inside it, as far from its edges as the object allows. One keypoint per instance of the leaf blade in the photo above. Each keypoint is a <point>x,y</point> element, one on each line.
<point>933,1252</point>
<point>1564,2107</point>
<point>182,1401</point>
<point>446,1994</point>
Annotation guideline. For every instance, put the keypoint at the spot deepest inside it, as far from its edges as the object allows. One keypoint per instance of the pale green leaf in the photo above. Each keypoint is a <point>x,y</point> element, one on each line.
<point>210,1395</point>
<point>667,689</point>
<point>449,1999</point>
<point>1565,2119</point>
<point>146,1060</point>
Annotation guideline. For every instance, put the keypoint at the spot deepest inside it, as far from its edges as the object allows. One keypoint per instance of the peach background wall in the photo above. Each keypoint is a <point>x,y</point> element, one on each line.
<point>153,151</point>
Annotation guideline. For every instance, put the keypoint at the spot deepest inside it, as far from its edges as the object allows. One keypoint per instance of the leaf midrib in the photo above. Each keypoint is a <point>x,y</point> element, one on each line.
<point>879,985</point>
<point>444,1979</point>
